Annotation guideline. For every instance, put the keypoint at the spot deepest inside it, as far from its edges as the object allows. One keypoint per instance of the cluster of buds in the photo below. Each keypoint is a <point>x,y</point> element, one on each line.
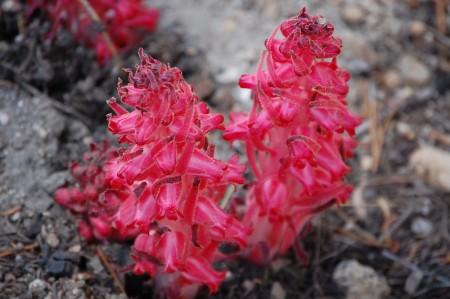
<point>125,21</point>
<point>86,198</point>
<point>297,135</point>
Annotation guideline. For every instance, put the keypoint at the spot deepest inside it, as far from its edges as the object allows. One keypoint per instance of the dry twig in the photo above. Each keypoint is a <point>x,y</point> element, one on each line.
<point>22,81</point>
<point>413,267</point>
<point>106,263</point>
<point>18,250</point>
<point>378,126</point>
<point>94,16</point>
<point>362,236</point>
<point>11,211</point>
<point>441,24</point>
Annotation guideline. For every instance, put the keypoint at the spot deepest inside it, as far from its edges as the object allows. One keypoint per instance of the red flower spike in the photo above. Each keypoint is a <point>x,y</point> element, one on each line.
<point>293,135</point>
<point>163,186</point>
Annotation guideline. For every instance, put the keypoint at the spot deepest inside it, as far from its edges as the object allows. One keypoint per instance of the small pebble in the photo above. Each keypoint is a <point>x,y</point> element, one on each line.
<point>73,289</point>
<point>413,281</point>
<point>52,240</point>
<point>366,162</point>
<point>9,277</point>
<point>41,131</point>
<point>59,265</point>
<point>417,28</point>
<point>391,79</point>
<point>422,227</point>
<point>15,217</point>
<point>249,285</point>
<point>4,118</point>
<point>229,26</point>
<point>353,14</point>
<point>360,281</point>
<point>405,130</point>
<point>59,268</point>
<point>34,227</point>
<point>75,248</point>
<point>279,263</point>
<point>424,206</point>
<point>277,291</point>
<point>414,72</point>
<point>191,51</point>
<point>96,265</point>
<point>37,287</point>
<point>10,6</point>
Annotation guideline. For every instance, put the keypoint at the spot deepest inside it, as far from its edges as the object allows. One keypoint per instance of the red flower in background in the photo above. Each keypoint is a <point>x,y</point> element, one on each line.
<point>297,135</point>
<point>126,22</point>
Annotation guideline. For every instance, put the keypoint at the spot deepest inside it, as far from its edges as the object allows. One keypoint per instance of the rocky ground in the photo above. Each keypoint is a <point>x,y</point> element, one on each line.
<point>391,240</point>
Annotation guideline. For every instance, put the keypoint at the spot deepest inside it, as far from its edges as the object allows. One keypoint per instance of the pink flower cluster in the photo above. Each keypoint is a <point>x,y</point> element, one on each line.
<point>125,21</point>
<point>164,188</point>
<point>294,135</point>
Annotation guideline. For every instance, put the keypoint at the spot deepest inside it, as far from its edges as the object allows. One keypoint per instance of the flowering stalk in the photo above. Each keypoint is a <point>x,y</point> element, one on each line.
<point>125,22</point>
<point>164,187</point>
<point>297,135</point>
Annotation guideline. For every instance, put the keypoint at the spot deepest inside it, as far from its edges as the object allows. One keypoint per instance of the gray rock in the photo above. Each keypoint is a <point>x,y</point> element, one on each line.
<point>353,14</point>
<point>422,227</point>
<point>424,206</point>
<point>417,28</point>
<point>391,79</point>
<point>277,291</point>
<point>37,288</point>
<point>361,282</point>
<point>74,289</point>
<point>60,265</point>
<point>413,281</point>
<point>96,265</point>
<point>52,240</point>
<point>413,71</point>
<point>56,180</point>
<point>4,118</point>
